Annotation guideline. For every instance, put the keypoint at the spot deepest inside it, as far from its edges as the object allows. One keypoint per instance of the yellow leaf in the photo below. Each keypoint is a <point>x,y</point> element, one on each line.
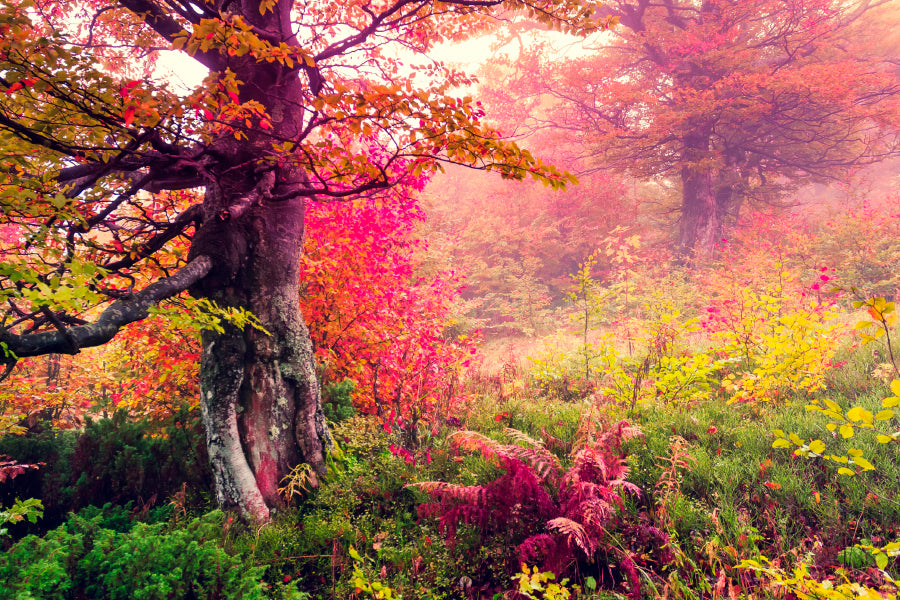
<point>817,446</point>
<point>865,464</point>
<point>833,405</point>
<point>847,431</point>
<point>858,413</point>
<point>884,439</point>
<point>846,471</point>
<point>895,387</point>
<point>781,443</point>
<point>884,415</point>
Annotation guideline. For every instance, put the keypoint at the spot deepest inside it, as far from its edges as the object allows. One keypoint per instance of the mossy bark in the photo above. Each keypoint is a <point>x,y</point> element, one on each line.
<point>260,395</point>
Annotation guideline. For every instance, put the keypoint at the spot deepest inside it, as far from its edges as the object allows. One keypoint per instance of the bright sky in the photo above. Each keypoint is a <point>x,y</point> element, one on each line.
<point>185,73</point>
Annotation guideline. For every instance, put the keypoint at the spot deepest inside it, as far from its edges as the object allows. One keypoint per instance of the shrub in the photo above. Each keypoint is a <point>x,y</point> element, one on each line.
<point>84,560</point>
<point>112,460</point>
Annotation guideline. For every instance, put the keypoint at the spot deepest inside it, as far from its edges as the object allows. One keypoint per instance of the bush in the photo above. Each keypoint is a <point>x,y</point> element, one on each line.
<point>112,460</point>
<point>84,560</point>
<point>337,400</point>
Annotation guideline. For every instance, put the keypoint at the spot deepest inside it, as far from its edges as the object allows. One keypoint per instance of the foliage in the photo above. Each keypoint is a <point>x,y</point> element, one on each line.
<point>803,586</point>
<point>578,507</point>
<point>846,423</point>
<point>881,318</point>
<point>21,510</point>
<point>84,560</point>
<point>736,102</point>
<point>774,341</point>
<point>380,323</point>
<point>540,586</point>
<point>113,460</point>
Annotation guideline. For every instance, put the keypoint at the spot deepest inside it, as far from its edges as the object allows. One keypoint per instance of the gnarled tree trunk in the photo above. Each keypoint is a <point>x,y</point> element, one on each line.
<point>260,396</point>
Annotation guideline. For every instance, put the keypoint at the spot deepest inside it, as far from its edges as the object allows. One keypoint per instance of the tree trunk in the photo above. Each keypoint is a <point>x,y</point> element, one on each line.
<point>260,395</point>
<point>701,218</point>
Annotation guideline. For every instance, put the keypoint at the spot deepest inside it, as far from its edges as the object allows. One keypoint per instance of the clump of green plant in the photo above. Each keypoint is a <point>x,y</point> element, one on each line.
<point>113,460</point>
<point>337,400</point>
<point>84,560</point>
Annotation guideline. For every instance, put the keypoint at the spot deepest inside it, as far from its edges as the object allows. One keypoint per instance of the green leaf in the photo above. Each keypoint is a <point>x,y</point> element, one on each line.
<point>354,554</point>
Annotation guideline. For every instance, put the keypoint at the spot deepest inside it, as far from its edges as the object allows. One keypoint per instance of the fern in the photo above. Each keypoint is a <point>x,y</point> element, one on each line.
<point>566,517</point>
<point>463,494</point>
<point>574,533</point>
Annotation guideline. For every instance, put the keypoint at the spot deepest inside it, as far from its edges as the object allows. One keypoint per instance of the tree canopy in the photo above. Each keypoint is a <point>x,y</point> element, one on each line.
<point>732,101</point>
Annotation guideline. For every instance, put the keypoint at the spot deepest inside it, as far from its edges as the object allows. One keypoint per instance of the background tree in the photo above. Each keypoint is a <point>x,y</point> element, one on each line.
<point>302,101</point>
<point>729,100</point>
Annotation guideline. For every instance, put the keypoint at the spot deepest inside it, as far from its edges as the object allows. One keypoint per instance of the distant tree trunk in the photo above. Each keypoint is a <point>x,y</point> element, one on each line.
<point>260,396</point>
<point>704,203</point>
<point>701,226</point>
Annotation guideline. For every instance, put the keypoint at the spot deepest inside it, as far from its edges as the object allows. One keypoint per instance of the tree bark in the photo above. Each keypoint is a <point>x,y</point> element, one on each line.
<point>260,396</point>
<point>701,219</point>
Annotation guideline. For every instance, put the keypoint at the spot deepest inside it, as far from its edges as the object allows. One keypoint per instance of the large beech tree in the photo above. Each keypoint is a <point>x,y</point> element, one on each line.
<point>305,99</point>
<point>730,100</point>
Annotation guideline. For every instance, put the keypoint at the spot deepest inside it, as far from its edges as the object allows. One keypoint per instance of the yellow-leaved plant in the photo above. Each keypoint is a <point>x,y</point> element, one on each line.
<point>846,423</point>
<point>776,344</point>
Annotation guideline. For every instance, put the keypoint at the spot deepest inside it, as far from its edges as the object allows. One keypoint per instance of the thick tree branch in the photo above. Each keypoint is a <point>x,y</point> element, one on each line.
<point>192,215</point>
<point>158,19</point>
<point>117,315</point>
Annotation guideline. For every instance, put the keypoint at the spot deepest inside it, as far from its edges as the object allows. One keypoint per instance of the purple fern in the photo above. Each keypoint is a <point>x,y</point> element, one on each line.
<point>566,515</point>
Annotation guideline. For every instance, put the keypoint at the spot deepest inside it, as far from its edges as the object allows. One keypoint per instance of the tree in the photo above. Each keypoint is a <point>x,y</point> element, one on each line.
<point>304,99</point>
<point>734,100</point>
